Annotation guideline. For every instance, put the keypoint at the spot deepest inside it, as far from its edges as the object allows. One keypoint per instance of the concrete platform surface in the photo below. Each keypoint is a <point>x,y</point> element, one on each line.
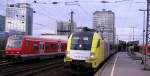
<point>122,65</point>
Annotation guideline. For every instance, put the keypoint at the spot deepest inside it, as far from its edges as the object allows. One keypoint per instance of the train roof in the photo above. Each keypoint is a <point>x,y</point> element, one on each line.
<point>53,37</point>
<point>88,33</point>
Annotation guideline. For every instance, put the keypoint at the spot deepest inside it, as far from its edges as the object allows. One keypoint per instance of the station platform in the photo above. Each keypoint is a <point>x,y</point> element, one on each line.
<point>122,65</point>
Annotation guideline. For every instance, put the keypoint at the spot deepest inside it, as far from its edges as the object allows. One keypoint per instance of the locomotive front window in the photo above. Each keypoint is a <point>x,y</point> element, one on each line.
<point>82,41</point>
<point>75,40</point>
<point>14,41</point>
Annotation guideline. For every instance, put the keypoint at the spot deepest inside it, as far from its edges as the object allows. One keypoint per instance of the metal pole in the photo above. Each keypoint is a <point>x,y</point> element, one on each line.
<point>143,48</point>
<point>117,42</point>
<point>133,33</point>
<point>71,27</point>
<point>147,26</point>
<point>144,36</point>
<point>72,22</point>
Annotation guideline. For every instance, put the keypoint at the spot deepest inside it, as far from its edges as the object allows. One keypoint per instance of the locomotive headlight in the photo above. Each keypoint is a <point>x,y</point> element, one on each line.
<point>80,45</point>
<point>68,54</point>
<point>92,55</point>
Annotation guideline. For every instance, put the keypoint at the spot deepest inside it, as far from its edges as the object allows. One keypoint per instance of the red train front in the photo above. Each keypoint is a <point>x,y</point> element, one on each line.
<point>34,47</point>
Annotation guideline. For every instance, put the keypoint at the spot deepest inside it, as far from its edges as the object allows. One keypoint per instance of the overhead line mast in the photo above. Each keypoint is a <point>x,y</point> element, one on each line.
<point>146,66</point>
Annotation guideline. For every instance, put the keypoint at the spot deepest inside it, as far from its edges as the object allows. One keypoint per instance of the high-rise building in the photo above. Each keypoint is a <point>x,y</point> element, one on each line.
<point>2,23</point>
<point>104,19</point>
<point>65,28</point>
<point>19,18</point>
<point>104,22</point>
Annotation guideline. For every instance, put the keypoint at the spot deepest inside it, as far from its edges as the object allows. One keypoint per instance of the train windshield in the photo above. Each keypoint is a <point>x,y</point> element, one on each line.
<point>14,42</point>
<point>82,40</point>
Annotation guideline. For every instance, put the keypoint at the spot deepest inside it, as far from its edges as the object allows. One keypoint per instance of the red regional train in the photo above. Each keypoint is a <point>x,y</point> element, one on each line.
<point>147,52</point>
<point>25,47</point>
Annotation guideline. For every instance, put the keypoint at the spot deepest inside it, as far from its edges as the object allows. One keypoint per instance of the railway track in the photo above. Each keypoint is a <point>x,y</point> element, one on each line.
<point>30,68</point>
<point>38,70</point>
<point>60,71</point>
<point>10,64</point>
<point>6,64</point>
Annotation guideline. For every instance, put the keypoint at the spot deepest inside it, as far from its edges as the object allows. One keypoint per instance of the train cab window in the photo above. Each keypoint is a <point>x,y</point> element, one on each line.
<point>98,44</point>
<point>14,42</point>
<point>76,40</point>
<point>86,40</point>
<point>82,41</point>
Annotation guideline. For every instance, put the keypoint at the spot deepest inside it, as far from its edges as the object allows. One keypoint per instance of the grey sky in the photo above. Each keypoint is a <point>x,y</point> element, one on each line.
<point>46,16</point>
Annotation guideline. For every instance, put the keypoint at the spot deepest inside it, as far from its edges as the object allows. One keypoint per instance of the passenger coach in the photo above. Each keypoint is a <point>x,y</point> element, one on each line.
<point>34,47</point>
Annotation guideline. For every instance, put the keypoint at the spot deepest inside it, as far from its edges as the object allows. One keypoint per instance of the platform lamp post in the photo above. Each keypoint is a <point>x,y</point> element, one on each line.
<point>117,42</point>
<point>143,51</point>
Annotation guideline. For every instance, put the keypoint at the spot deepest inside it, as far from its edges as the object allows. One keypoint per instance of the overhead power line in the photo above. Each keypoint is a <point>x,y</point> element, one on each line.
<point>43,13</point>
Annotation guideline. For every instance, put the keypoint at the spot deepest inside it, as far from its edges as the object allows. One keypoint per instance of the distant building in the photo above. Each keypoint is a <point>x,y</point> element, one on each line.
<point>104,21</point>
<point>64,28</point>
<point>2,23</point>
<point>19,18</point>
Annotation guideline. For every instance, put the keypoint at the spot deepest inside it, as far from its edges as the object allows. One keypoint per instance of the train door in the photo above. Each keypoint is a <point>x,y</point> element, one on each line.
<point>41,48</point>
<point>59,46</point>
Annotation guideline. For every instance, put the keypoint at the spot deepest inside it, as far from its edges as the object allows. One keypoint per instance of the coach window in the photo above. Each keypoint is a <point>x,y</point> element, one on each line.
<point>53,46</point>
<point>47,46</point>
<point>148,48</point>
<point>35,46</point>
<point>41,46</point>
<point>62,46</point>
<point>98,44</point>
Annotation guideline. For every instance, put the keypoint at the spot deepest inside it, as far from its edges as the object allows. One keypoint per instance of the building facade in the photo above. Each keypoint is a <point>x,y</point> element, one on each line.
<point>2,23</point>
<point>104,22</point>
<point>104,19</point>
<point>65,28</point>
<point>19,18</point>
